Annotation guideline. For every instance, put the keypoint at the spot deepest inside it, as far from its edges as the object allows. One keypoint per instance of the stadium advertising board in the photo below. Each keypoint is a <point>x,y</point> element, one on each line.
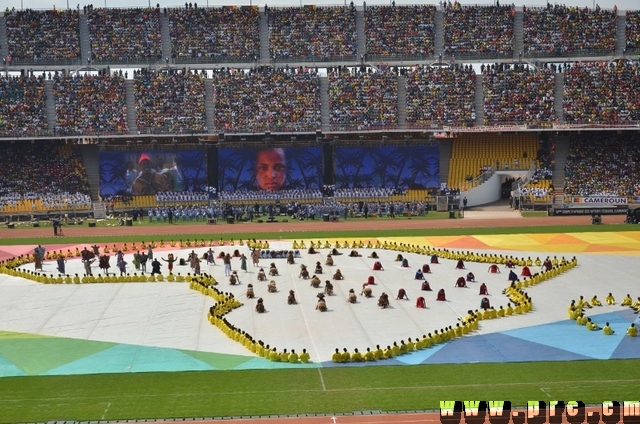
<point>595,200</point>
<point>148,173</point>
<point>401,167</point>
<point>270,169</point>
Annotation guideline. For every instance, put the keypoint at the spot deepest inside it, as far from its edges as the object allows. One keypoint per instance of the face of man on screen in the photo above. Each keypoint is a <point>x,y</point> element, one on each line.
<point>271,169</point>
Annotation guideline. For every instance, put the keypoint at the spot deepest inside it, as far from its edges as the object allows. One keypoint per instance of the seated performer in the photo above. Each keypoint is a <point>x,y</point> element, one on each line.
<point>260,306</point>
<point>470,277</point>
<point>460,264</point>
<point>460,282</point>
<point>271,287</point>
<point>383,301</point>
<point>329,261</point>
<point>315,282</point>
<point>328,288</point>
<point>373,255</point>
<point>273,270</point>
<point>354,254</point>
<point>526,272</point>
<point>425,286</point>
<point>250,293</point>
<point>426,269</point>
<point>261,275</point>
<point>377,266</point>
<point>405,263</point>
<point>513,276</point>
<point>484,303</point>
<point>399,258</point>
<point>370,280</point>
<point>321,305</point>
<point>366,291</point>
<point>290,259</point>
<point>402,294</point>
<point>291,299</point>
<point>494,269</point>
<point>484,290</point>
<point>434,259</point>
<point>318,268</point>
<point>304,273</point>
<point>419,275</point>
<point>441,295</point>
<point>352,296</point>
<point>421,302</point>
<point>338,275</point>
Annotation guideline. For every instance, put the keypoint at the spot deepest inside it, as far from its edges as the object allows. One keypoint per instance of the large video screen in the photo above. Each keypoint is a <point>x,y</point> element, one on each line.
<point>270,169</point>
<point>144,173</point>
<point>401,167</point>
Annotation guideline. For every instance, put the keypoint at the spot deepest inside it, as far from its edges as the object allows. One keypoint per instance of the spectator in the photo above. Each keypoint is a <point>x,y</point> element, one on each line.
<point>22,106</point>
<point>441,96</point>
<point>602,93</point>
<point>518,95</point>
<point>363,100</point>
<point>567,30</point>
<point>267,100</point>
<point>633,31</point>
<point>312,32</point>
<point>43,36</point>
<point>124,35</point>
<point>400,30</point>
<point>479,30</point>
<point>172,102</point>
<point>215,34</point>
<point>90,104</point>
<point>603,164</point>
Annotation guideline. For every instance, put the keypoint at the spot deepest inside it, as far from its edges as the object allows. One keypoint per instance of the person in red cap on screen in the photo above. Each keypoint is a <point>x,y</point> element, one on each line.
<point>149,181</point>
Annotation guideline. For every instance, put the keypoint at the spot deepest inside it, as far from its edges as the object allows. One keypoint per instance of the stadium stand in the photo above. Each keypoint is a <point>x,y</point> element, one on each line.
<point>258,93</point>
<point>310,32</point>
<point>363,100</point>
<point>561,30</point>
<point>400,31</point>
<point>478,31</point>
<point>602,92</point>
<point>603,164</point>
<point>42,177</point>
<point>124,35</point>
<point>89,104</point>
<point>267,100</point>
<point>475,154</point>
<point>633,31</point>
<point>440,96</point>
<point>518,95</point>
<point>43,36</point>
<point>171,102</point>
<point>214,34</point>
<point>22,106</point>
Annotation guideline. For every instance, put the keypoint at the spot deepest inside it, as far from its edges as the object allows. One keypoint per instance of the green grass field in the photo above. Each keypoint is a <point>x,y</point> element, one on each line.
<point>309,391</point>
<point>313,391</point>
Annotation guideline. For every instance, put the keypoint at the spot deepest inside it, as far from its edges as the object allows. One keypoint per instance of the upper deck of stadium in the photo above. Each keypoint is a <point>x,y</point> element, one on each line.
<point>548,68</point>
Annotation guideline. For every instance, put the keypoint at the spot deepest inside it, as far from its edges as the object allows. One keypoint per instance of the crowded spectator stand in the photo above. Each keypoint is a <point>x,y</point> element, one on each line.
<point>214,34</point>
<point>559,30</point>
<point>477,31</point>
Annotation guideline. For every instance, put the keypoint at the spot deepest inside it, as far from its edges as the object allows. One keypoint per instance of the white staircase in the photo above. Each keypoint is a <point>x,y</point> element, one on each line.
<point>402,102</point>
<point>99,210</point>
<point>479,101</point>
<point>131,107</point>
<point>265,47</point>
<point>324,104</point>
<point>558,101</point>
<point>50,104</point>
